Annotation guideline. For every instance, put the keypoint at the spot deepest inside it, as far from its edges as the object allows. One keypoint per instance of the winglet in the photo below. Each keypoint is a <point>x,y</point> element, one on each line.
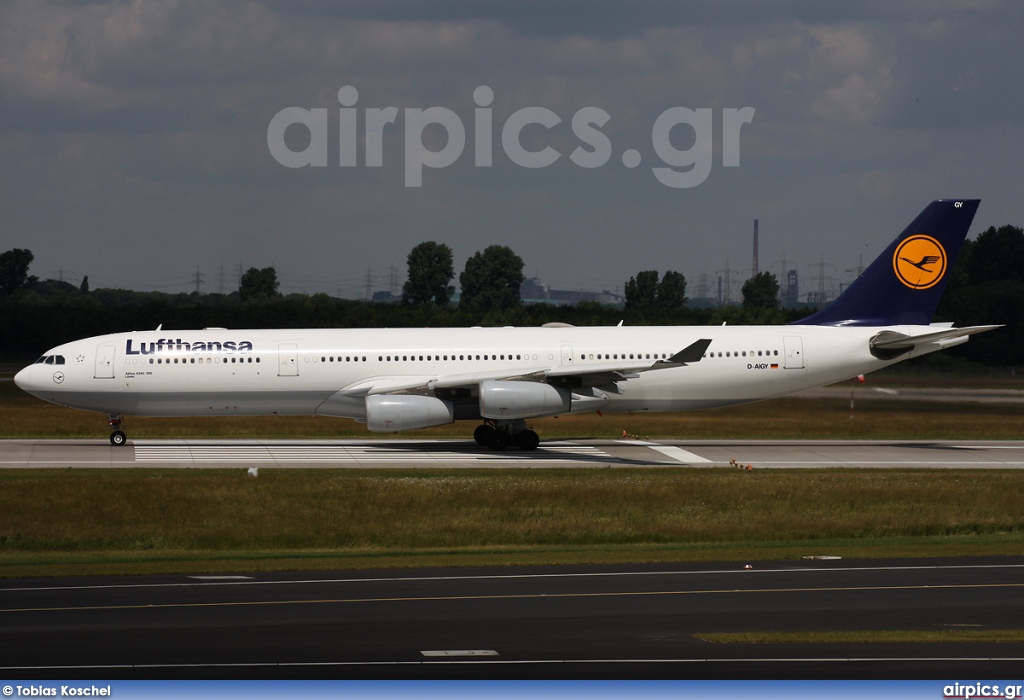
<point>691,353</point>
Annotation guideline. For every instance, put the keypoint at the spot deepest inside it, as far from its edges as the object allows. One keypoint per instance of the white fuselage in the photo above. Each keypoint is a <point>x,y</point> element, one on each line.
<point>331,371</point>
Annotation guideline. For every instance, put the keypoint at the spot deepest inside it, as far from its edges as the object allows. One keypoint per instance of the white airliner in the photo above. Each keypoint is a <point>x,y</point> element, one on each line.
<point>403,379</point>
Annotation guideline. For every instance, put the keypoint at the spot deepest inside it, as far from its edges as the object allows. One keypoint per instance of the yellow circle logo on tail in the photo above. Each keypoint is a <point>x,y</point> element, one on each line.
<point>919,262</point>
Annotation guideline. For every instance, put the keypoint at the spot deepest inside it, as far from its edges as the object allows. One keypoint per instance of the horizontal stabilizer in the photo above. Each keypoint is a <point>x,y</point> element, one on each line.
<point>888,345</point>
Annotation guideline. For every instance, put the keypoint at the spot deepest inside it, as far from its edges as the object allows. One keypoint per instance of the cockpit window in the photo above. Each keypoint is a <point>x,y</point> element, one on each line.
<point>42,359</point>
<point>49,359</point>
<point>59,359</point>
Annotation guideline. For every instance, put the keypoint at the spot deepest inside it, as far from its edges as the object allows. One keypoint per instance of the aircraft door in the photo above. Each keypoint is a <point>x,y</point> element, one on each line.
<point>287,360</point>
<point>566,355</point>
<point>794,348</point>
<point>104,362</point>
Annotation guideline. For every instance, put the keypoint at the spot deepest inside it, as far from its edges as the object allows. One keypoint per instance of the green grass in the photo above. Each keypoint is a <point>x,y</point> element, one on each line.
<point>142,520</point>
<point>867,637</point>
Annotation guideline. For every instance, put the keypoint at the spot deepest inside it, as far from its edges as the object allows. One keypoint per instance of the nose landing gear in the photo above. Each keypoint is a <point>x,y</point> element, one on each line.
<point>117,435</point>
<point>502,433</point>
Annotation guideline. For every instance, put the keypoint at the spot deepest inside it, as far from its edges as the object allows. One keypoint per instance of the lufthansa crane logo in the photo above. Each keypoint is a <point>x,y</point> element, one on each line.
<point>919,262</point>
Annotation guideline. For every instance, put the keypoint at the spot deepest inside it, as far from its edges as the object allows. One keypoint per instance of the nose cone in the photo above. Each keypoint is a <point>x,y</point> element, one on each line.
<point>24,379</point>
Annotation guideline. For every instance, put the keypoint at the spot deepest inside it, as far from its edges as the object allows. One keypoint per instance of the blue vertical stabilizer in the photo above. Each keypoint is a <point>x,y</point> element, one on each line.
<point>904,284</point>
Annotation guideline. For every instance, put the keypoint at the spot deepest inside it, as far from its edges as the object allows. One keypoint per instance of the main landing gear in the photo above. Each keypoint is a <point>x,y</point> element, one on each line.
<point>501,434</point>
<point>117,436</point>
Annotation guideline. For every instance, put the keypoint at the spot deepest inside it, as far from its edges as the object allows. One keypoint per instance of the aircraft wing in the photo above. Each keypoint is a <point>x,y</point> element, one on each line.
<point>596,375</point>
<point>386,385</point>
<point>571,376</point>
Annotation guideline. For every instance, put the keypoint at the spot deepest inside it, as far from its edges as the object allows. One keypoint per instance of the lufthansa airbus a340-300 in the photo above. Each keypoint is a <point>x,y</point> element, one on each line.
<point>404,379</point>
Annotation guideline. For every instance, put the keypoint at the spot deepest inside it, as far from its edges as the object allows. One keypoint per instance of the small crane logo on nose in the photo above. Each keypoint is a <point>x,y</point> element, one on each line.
<point>58,377</point>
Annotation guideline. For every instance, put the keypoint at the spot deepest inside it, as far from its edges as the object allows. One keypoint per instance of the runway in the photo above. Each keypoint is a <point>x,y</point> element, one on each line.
<point>371,453</point>
<point>540,622</point>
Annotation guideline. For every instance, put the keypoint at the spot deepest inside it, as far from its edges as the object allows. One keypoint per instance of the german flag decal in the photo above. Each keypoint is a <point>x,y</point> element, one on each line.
<point>919,262</point>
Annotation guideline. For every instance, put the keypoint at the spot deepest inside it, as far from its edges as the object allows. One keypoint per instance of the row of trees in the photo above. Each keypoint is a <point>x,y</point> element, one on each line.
<point>987,287</point>
<point>647,293</point>
<point>490,282</point>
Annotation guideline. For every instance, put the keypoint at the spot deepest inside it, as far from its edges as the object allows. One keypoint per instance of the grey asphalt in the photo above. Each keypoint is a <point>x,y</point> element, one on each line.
<point>538,622</point>
<point>370,453</point>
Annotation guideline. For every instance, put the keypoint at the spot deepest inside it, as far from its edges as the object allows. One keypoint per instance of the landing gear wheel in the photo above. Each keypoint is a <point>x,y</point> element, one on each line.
<point>499,440</point>
<point>118,438</point>
<point>483,435</point>
<point>527,440</point>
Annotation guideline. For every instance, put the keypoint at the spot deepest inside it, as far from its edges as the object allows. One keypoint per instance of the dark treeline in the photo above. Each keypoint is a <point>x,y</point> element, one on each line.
<point>45,314</point>
<point>987,287</point>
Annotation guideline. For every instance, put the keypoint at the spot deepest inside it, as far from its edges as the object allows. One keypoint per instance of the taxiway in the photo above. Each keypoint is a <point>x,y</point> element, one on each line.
<point>956,454</point>
<point>538,622</point>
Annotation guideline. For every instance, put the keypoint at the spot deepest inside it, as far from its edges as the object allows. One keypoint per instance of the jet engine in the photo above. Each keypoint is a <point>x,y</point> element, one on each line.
<point>512,400</point>
<point>387,413</point>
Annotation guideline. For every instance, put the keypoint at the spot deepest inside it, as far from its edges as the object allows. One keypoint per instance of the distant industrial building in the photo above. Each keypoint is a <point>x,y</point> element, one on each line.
<point>533,291</point>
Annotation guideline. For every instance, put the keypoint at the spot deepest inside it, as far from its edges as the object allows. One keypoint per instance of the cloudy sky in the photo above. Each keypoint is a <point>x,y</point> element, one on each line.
<point>134,135</point>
